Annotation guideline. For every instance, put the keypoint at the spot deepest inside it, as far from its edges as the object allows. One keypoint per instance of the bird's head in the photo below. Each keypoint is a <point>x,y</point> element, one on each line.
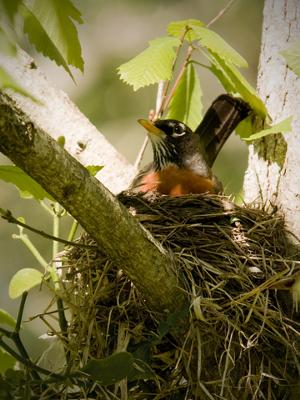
<point>171,140</point>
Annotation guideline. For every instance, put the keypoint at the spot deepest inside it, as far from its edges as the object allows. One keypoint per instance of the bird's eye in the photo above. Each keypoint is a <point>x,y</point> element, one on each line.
<point>178,131</point>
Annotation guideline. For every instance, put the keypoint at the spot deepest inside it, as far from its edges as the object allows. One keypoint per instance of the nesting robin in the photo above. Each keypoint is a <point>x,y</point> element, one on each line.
<point>182,159</point>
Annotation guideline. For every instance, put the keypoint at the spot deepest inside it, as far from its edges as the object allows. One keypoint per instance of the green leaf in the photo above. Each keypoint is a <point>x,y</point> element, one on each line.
<point>151,65</point>
<point>245,128</point>
<point>177,28</point>
<point>140,370</point>
<point>24,280</point>
<point>110,370</point>
<point>6,46</point>
<point>292,57</point>
<point>234,82</point>
<point>216,44</point>
<point>27,186</point>
<point>10,7</point>
<point>93,169</point>
<point>6,318</point>
<point>6,361</point>
<point>281,127</point>
<point>49,26</point>
<point>186,105</point>
<point>7,81</point>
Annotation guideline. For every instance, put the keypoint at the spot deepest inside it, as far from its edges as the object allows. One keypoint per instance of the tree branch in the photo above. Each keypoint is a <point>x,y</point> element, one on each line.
<point>116,232</point>
<point>58,116</point>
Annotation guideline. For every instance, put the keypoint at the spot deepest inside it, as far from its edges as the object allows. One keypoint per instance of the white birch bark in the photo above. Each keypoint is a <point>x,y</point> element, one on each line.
<point>273,176</point>
<point>58,116</point>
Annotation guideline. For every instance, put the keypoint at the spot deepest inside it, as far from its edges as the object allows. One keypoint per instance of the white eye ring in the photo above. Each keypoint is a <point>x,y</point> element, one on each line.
<point>174,134</point>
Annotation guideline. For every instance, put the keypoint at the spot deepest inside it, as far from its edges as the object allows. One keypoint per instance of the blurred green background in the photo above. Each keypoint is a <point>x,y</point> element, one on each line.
<point>113,32</point>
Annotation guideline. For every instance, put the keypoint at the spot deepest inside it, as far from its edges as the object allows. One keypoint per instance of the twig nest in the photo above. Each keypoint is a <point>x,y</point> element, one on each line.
<point>242,335</point>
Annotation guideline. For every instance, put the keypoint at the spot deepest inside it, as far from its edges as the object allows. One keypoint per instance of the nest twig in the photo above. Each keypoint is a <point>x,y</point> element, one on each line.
<point>242,336</point>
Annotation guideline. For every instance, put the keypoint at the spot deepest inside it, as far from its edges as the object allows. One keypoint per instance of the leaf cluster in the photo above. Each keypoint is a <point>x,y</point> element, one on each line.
<point>50,26</point>
<point>192,40</point>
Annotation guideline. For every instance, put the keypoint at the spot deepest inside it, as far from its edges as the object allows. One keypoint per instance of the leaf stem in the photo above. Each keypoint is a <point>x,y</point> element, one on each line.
<point>179,76</point>
<point>73,230</point>
<point>28,363</point>
<point>162,107</point>
<point>31,247</point>
<point>7,215</point>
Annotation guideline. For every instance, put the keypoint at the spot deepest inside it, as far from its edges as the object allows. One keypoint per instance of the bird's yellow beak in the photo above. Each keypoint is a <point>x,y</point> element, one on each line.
<point>151,128</point>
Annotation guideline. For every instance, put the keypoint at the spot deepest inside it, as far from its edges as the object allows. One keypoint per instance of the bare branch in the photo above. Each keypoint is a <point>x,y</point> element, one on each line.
<point>221,13</point>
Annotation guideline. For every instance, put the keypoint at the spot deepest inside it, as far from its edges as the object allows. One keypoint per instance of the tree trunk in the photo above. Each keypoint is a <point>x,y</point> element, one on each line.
<point>273,175</point>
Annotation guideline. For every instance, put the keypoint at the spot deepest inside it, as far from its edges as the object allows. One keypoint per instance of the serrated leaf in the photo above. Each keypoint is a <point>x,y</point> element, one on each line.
<point>151,65</point>
<point>7,319</point>
<point>93,169</point>
<point>6,361</point>
<point>186,105</point>
<point>216,44</point>
<point>24,280</point>
<point>234,82</point>
<point>281,127</point>
<point>27,186</point>
<point>292,57</point>
<point>50,28</point>
<point>8,82</point>
<point>110,370</point>
<point>10,7</point>
<point>177,28</point>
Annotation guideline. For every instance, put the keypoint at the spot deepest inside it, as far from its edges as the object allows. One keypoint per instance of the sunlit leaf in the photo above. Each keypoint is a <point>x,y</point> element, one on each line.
<point>186,105</point>
<point>110,370</point>
<point>24,280</point>
<point>27,186</point>
<point>6,318</point>
<point>281,127</point>
<point>50,28</point>
<point>151,65</point>
<point>177,28</point>
<point>216,44</point>
<point>292,57</point>
<point>93,169</point>
<point>245,128</point>
<point>234,82</point>
<point>6,361</point>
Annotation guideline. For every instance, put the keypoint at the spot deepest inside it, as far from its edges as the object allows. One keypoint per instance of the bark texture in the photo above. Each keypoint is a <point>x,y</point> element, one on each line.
<point>273,174</point>
<point>58,116</point>
<point>116,232</point>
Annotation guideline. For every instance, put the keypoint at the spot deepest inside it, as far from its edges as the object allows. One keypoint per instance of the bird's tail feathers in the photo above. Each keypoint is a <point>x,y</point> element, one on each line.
<point>219,122</point>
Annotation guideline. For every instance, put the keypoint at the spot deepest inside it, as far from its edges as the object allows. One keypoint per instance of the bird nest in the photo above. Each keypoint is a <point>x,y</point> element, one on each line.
<point>241,337</point>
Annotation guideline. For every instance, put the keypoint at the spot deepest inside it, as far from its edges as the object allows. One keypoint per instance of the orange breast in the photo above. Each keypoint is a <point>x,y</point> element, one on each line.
<point>176,182</point>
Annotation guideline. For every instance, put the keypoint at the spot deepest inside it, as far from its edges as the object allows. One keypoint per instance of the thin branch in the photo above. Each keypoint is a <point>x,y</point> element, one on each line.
<point>7,215</point>
<point>162,108</point>
<point>176,83</point>
<point>221,13</point>
<point>29,363</point>
<point>141,153</point>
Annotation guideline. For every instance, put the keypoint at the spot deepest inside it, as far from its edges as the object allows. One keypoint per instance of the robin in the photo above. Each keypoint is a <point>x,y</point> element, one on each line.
<point>182,159</point>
